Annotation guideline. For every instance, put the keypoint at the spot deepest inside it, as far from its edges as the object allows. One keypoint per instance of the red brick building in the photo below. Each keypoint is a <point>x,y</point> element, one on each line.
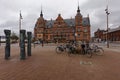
<point>113,34</point>
<point>98,35</point>
<point>61,29</point>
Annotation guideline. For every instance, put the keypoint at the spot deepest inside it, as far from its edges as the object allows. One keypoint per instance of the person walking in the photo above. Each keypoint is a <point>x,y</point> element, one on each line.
<point>42,43</point>
<point>83,48</point>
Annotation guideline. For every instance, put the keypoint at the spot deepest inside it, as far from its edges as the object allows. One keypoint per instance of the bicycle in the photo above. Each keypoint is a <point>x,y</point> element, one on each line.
<point>60,49</point>
<point>98,50</point>
<point>64,48</point>
<point>94,50</point>
<point>88,52</point>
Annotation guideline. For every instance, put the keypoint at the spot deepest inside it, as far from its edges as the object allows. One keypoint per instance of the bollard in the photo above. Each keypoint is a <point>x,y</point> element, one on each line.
<point>22,44</point>
<point>7,47</point>
<point>29,43</point>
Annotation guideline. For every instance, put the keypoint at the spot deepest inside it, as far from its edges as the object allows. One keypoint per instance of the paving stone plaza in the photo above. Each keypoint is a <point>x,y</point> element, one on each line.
<point>45,64</point>
<point>59,40</point>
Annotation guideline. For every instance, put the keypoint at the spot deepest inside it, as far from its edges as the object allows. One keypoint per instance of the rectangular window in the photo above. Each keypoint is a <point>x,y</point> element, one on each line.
<point>78,35</point>
<point>78,30</point>
<point>85,30</point>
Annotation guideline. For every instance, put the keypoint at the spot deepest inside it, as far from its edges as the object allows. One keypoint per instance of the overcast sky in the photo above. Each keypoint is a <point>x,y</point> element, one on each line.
<point>30,9</point>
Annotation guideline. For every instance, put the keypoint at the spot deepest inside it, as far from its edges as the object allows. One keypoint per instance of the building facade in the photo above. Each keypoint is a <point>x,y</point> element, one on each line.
<point>61,30</point>
<point>98,35</point>
<point>112,35</point>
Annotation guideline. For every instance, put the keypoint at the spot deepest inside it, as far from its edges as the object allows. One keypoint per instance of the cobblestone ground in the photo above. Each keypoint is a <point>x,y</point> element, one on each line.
<point>45,64</point>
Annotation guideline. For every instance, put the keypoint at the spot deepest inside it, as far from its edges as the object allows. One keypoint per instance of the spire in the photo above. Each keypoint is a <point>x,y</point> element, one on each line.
<point>88,19</point>
<point>41,14</point>
<point>78,7</point>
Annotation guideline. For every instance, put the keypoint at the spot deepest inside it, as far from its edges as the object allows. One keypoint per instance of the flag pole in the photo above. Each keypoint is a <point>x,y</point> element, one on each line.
<point>20,20</point>
<point>20,17</point>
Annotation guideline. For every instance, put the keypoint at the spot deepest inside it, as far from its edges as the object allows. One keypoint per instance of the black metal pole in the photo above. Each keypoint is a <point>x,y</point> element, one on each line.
<point>29,43</point>
<point>7,47</point>
<point>22,44</point>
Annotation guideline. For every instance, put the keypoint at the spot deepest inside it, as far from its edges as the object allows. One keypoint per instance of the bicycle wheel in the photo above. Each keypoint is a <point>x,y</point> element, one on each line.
<point>58,50</point>
<point>100,52</point>
<point>89,53</point>
<point>67,50</point>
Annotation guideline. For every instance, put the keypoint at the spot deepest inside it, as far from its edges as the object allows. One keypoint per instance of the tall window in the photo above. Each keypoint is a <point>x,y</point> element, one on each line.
<point>78,35</point>
<point>85,30</point>
<point>78,30</point>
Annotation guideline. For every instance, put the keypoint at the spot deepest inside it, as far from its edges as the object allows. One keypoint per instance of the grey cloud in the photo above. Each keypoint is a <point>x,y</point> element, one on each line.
<point>98,18</point>
<point>9,16</point>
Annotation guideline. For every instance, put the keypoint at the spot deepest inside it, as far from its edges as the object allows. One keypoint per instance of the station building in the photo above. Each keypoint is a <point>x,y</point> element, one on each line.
<point>61,30</point>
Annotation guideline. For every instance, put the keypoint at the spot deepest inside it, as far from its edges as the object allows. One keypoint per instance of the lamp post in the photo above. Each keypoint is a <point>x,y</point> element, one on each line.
<point>20,18</point>
<point>75,36</point>
<point>74,33</point>
<point>0,40</point>
<point>107,14</point>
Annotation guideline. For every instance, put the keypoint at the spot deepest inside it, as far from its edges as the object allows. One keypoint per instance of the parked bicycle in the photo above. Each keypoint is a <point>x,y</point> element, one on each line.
<point>68,48</point>
<point>60,49</point>
<point>90,50</point>
<point>75,48</point>
<point>95,50</point>
<point>98,50</point>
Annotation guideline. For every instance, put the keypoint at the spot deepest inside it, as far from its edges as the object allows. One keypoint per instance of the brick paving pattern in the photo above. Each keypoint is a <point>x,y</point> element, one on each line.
<point>45,64</point>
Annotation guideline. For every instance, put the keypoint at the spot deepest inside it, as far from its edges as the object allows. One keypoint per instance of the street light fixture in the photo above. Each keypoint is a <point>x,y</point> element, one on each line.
<point>107,14</point>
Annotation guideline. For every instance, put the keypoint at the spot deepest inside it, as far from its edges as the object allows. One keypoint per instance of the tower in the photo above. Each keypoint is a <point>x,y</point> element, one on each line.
<point>39,29</point>
<point>41,14</point>
<point>78,18</point>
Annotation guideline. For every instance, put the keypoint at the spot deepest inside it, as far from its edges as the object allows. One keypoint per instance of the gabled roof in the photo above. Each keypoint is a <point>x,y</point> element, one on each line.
<point>86,21</point>
<point>50,23</point>
<point>59,17</point>
<point>70,22</point>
